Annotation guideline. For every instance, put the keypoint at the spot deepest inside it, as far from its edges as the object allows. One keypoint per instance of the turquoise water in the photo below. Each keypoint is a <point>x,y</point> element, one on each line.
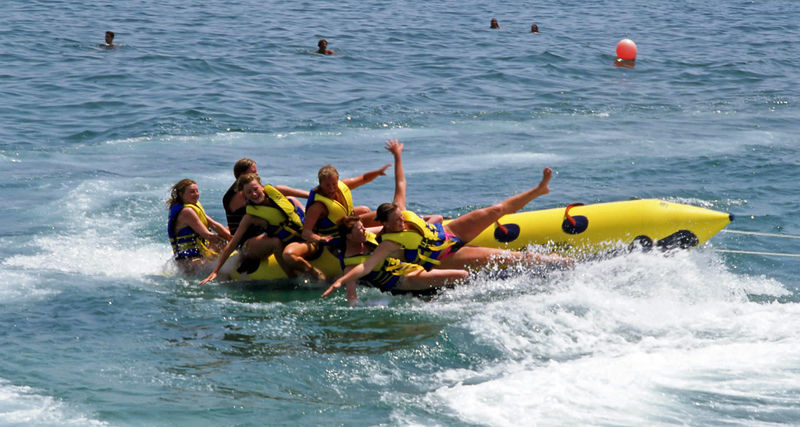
<point>97,331</point>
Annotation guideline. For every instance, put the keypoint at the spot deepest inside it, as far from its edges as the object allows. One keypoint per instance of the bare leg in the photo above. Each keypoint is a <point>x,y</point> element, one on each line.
<point>261,246</point>
<point>294,260</point>
<point>258,248</point>
<point>468,226</point>
<point>422,280</point>
<point>360,210</point>
<point>479,256</point>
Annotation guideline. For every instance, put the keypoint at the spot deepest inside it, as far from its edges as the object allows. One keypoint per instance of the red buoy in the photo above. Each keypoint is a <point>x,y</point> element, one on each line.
<point>626,49</point>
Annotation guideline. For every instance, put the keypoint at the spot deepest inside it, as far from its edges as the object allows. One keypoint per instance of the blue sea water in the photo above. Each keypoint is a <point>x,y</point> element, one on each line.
<point>97,330</point>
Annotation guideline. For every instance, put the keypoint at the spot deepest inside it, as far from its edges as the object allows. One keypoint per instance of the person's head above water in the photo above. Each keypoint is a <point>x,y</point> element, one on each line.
<point>534,28</point>
<point>109,37</point>
<point>494,25</point>
<point>323,47</point>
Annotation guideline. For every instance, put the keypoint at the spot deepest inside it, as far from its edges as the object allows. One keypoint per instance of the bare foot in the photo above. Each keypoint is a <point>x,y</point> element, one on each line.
<point>544,185</point>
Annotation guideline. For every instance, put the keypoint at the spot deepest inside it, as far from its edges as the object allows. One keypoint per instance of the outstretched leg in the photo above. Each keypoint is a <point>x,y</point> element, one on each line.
<point>479,256</point>
<point>422,280</point>
<point>468,226</point>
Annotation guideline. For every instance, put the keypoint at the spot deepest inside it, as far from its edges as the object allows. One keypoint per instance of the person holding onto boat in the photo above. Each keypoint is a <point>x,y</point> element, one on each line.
<point>234,200</point>
<point>267,207</point>
<point>409,238</point>
<point>327,205</point>
<point>391,274</point>
<point>189,228</point>
<point>235,203</point>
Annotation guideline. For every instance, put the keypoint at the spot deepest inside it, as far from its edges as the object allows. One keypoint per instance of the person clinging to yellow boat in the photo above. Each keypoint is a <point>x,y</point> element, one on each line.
<point>391,274</point>
<point>189,228</point>
<point>327,204</point>
<point>409,238</point>
<point>267,207</point>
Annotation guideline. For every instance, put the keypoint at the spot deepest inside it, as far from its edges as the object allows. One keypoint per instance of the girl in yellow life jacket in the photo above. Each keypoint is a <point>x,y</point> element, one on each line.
<point>327,204</point>
<point>268,208</point>
<point>391,275</point>
<point>409,238</point>
<point>189,228</point>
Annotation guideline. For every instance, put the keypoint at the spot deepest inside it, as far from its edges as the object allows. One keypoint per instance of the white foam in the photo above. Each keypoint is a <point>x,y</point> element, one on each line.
<point>627,340</point>
<point>25,406</point>
<point>17,286</point>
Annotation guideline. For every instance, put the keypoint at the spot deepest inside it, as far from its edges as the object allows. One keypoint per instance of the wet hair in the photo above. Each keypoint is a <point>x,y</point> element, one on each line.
<point>176,193</point>
<point>347,223</point>
<point>245,179</point>
<point>241,166</point>
<point>110,34</point>
<point>383,211</point>
<point>327,171</point>
<point>319,43</point>
<point>346,226</point>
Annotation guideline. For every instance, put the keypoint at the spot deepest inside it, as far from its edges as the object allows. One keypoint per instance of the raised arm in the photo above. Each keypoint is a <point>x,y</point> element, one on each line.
<point>292,192</point>
<point>358,181</point>
<point>396,148</point>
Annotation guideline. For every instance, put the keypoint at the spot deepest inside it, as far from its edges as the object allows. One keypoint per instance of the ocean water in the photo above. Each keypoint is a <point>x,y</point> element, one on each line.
<point>98,330</point>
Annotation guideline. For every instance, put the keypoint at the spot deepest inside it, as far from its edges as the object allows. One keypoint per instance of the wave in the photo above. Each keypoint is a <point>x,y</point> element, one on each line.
<point>25,406</point>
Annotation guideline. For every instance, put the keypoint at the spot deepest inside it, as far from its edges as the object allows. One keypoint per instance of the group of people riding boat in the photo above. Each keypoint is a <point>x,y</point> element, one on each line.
<point>392,248</point>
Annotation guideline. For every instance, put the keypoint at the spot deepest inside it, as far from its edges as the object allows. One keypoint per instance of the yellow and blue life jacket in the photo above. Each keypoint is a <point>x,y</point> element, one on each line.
<point>284,219</point>
<point>329,226</point>
<point>186,244</point>
<point>385,275</point>
<point>424,243</point>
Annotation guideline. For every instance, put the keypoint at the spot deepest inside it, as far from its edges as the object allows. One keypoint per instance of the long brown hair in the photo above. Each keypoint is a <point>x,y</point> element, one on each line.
<point>176,194</point>
<point>383,211</point>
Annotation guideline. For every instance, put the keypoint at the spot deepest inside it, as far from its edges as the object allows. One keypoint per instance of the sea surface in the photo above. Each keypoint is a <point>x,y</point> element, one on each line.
<point>97,329</point>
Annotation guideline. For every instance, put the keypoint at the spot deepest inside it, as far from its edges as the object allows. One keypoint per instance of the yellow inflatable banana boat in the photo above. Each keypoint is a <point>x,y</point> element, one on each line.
<point>574,229</point>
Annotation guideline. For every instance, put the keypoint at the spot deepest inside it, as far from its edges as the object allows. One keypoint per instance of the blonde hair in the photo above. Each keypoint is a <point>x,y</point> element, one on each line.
<point>327,171</point>
<point>176,193</point>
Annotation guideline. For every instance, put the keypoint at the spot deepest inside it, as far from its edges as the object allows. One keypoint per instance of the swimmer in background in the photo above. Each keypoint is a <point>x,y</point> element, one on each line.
<point>189,228</point>
<point>494,25</point>
<point>323,48</point>
<point>109,40</point>
<point>534,29</point>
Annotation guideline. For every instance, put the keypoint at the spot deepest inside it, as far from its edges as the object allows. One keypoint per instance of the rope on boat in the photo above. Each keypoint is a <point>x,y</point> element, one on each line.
<point>755,233</point>
<point>729,251</point>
